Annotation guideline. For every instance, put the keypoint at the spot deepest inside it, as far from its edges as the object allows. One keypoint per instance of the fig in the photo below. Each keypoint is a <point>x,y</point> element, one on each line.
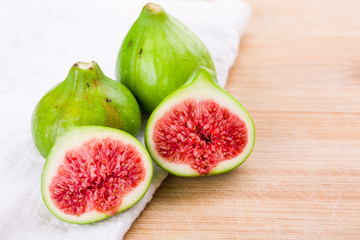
<point>158,55</point>
<point>200,129</point>
<point>85,97</point>
<point>94,172</point>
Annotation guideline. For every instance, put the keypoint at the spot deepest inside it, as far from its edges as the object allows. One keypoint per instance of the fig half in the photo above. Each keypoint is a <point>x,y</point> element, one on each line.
<point>85,97</point>
<point>158,55</point>
<point>199,129</point>
<point>94,172</point>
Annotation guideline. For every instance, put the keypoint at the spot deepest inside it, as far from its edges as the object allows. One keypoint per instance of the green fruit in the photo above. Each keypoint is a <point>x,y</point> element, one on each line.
<point>158,55</point>
<point>199,129</point>
<point>85,97</point>
<point>94,172</point>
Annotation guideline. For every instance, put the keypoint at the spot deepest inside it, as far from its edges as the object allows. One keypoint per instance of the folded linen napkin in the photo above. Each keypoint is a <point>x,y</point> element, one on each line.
<point>40,42</point>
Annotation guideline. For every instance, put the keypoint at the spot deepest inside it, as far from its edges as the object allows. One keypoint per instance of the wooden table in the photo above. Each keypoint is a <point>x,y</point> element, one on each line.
<point>298,75</point>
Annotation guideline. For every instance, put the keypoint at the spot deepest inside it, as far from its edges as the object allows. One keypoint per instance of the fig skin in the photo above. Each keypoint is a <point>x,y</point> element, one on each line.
<point>158,55</point>
<point>85,97</point>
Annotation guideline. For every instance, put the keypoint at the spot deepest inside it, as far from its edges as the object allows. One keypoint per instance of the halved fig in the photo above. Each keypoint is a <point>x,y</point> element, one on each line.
<point>199,129</point>
<point>94,172</point>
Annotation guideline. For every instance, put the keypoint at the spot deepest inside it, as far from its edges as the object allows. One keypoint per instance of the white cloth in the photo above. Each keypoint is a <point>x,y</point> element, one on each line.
<point>40,41</point>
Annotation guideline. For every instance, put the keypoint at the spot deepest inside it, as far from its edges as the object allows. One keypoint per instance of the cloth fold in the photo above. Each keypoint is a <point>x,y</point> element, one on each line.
<point>40,42</point>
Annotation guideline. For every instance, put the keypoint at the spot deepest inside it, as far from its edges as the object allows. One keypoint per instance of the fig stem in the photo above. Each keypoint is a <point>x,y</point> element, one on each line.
<point>82,75</point>
<point>84,65</point>
<point>153,7</point>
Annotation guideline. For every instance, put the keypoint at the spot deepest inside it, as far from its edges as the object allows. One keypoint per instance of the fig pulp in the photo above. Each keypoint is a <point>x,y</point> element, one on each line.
<point>94,172</point>
<point>199,129</point>
<point>85,97</point>
<point>158,55</point>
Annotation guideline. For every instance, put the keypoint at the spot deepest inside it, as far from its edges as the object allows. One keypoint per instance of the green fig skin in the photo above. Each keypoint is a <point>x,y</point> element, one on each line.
<point>158,55</point>
<point>85,97</point>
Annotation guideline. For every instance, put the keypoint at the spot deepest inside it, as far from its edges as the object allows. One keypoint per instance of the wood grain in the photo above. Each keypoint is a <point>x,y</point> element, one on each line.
<point>298,74</point>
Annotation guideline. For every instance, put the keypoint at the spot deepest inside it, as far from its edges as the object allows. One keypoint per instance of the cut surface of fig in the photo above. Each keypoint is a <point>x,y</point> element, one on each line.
<point>93,173</point>
<point>200,129</point>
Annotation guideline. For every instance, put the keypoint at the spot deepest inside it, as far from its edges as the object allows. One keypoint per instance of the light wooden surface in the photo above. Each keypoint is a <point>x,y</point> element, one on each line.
<point>298,74</point>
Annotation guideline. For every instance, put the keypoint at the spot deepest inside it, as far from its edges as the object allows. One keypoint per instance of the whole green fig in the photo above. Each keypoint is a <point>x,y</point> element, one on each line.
<point>85,97</point>
<point>158,55</point>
